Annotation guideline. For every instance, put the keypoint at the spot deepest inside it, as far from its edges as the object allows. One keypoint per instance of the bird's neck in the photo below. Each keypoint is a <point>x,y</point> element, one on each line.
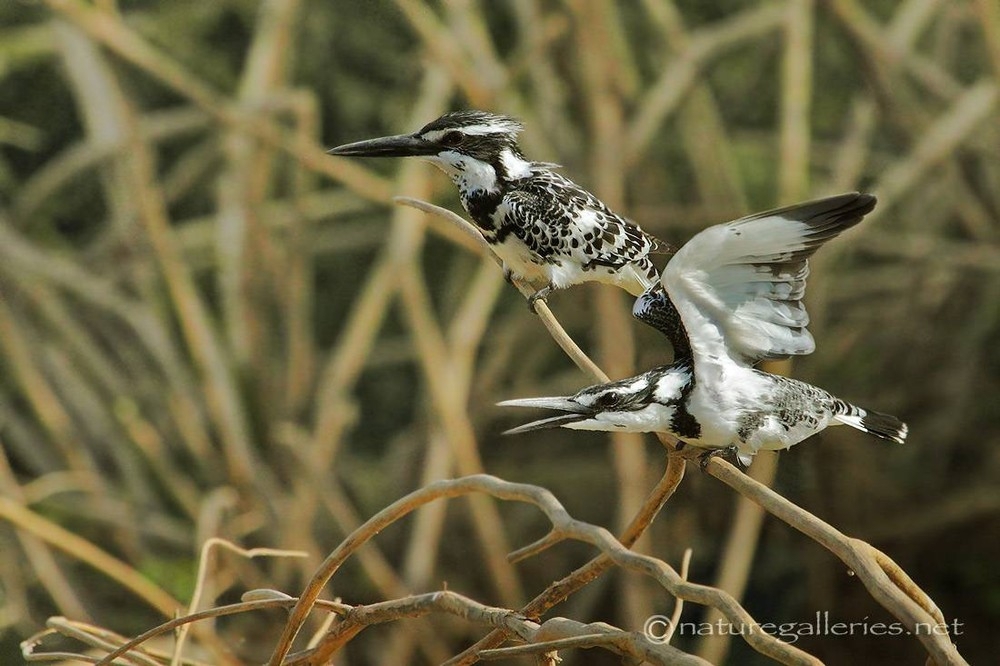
<point>484,175</point>
<point>483,183</point>
<point>666,319</point>
<point>678,335</point>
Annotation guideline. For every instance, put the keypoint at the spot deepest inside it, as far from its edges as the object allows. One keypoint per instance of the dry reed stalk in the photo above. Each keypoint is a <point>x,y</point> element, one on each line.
<point>615,340</point>
<point>39,554</point>
<point>110,30</point>
<point>665,95</point>
<point>486,74</point>
<point>83,550</point>
<point>733,571</point>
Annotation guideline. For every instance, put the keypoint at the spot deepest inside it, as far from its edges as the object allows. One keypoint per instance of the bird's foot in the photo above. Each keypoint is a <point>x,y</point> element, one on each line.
<point>539,295</point>
<point>731,454</point>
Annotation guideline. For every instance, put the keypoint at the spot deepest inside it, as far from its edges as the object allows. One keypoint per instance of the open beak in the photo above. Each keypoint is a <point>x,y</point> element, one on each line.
<point>402,145</point>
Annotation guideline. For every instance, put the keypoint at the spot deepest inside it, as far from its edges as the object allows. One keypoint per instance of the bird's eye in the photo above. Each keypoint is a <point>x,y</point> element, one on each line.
<point>452,138</point>
<point>608,399</point>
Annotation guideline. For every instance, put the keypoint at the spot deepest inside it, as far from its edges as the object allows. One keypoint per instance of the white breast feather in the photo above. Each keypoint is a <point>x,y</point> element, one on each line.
<point>518,259</point>
<point>723,392</point>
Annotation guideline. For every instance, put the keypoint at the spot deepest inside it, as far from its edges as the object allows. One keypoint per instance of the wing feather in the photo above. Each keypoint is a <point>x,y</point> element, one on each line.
<point>549,203</point>
<point>738,287</point>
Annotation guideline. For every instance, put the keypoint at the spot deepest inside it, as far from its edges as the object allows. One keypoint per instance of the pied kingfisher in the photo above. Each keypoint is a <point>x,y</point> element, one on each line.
<point>547,229</point>
<point>729,297</point>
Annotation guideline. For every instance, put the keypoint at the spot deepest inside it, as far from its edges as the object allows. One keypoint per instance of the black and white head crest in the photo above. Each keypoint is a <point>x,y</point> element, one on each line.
<point>478,149</point>
<point>477,134</point>
<point>488,138</point>
<point>472,123</point>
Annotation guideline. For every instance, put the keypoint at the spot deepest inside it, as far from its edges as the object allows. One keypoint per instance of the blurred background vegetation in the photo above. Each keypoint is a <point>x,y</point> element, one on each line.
<point>208,328</point>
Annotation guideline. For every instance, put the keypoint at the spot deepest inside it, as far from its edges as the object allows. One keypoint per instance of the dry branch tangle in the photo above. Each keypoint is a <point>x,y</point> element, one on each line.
<point>541,638</point>
<point>565,527</point>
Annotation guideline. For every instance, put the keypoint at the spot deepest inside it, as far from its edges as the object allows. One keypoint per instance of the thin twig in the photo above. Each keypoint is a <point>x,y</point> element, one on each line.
<point>880,575</point>
<point>675,617</point>
<point>558,333</point>
<point>573,529</point>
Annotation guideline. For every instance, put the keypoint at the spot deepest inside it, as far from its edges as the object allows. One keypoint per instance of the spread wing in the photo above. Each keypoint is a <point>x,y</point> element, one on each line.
<point>738,286</point>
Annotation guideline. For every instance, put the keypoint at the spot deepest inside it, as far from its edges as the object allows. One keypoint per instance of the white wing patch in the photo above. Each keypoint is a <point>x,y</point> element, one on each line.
<point>738,286</point>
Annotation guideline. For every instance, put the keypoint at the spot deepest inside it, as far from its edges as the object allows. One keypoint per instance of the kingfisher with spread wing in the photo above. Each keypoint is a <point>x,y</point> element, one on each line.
<point>728,298</point>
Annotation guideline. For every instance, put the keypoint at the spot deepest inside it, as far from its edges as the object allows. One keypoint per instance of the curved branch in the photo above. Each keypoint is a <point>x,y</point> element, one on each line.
<point>884,579</point>
<point>563,523</point>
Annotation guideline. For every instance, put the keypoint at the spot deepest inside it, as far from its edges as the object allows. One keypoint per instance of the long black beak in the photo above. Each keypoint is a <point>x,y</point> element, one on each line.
<point>402,145</point>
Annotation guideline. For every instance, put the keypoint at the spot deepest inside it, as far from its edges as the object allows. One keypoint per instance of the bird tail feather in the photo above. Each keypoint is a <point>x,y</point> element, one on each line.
<point>875,423</point>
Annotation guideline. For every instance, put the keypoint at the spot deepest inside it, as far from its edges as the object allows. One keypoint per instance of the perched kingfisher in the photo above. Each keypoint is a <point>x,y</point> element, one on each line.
<point>728,298</point>
<point>547,229</point>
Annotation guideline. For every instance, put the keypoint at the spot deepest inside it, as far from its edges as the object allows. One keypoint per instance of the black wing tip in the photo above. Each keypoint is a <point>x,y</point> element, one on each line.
<point>858,203</point>
<point>844,210</point>
<point>840,210</point>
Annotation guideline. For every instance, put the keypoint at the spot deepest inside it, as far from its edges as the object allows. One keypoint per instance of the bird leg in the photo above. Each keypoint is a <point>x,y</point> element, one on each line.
<point>541,294</point>
<point>731,454</point>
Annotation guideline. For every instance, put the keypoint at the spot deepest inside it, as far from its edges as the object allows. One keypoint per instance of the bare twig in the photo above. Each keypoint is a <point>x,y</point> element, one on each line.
<point>558,333</point>
<point>881,576</point>
<point>675,617</point>
<point>562,522</point>
<point>204,561</point>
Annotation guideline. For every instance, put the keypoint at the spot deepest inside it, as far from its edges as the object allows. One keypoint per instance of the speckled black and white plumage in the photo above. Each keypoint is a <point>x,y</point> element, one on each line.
<point>546,228</point>
<point>768,413</point>
<point>731,296</point>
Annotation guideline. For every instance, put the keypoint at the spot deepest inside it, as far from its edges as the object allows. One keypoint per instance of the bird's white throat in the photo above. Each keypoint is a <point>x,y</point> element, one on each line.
<point>471,175</point>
